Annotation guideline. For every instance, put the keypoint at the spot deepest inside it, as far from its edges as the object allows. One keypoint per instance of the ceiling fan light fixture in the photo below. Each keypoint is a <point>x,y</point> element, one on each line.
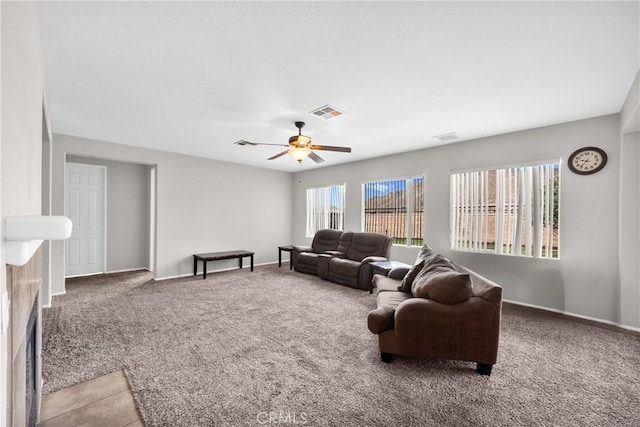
<point>300,147</point>
<point>299,140</point>
<point>300,153</point>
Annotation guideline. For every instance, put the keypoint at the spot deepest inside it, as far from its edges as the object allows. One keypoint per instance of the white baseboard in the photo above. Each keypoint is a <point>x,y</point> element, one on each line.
<point>179,276</point>
<point>580,316</point>
<point>126,270</point>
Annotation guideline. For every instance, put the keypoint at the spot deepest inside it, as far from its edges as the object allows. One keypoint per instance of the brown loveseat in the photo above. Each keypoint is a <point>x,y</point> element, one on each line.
<point>437,309</point>
<point>346,263</point>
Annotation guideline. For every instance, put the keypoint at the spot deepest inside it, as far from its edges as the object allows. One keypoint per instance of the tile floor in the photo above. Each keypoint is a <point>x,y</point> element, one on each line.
<point>104,401</point>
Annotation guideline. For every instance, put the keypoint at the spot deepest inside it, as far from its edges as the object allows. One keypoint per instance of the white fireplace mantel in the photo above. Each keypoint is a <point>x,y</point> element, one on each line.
<point>25,234</point>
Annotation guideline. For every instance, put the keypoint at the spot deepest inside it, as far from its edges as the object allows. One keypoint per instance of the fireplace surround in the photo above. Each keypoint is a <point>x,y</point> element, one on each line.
<point>31,367</point>
<point>23,285</point>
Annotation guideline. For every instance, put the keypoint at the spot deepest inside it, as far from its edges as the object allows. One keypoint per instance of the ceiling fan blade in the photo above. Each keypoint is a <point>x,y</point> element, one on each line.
<point>278,155</point>
<point>243,142</point>
<point>313,156</point>
<point>331,148</point>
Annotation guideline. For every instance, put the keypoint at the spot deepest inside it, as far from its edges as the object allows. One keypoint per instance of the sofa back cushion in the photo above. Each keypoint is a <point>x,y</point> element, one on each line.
<point>345,242</point>
<point>483,287</point>
<point>326,240</point>
<point>440,281</point>
<point>369,244</point>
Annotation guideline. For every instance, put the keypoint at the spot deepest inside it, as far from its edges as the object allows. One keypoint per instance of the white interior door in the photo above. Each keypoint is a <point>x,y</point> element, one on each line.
<point>85,206</point>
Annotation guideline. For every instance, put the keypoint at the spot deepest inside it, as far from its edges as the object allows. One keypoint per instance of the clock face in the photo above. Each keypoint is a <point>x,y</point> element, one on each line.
<point>587,160</point>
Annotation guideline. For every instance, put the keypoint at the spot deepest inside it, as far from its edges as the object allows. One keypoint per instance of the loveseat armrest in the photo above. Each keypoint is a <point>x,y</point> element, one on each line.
<point>297,250</point>
<point>366,271</point>
<point>301,248</point>
<point>369,259</point>
<point>336,254</point>
<point>398,273</point>
<point>323,265</point>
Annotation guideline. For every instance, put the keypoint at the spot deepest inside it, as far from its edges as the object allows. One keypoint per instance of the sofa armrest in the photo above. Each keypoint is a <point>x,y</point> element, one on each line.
<point>381,319</point>
<point>398,273</point>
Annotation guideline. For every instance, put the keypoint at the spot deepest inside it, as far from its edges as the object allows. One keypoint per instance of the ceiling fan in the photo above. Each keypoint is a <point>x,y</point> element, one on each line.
<point>299,147</point>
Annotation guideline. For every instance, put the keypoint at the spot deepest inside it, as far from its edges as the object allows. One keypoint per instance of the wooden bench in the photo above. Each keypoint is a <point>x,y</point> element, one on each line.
<point>218,256</point>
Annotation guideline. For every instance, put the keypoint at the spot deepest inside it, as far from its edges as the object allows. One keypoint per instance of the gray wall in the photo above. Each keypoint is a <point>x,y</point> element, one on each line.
<point>584,281</point>
<point>128,213</point>
<point>202,205</point>
<point>22,90</point>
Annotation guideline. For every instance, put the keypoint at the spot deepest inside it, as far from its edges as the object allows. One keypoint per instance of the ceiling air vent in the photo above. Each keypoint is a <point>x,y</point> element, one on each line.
<point>446,137</point>
<point>327,112</point>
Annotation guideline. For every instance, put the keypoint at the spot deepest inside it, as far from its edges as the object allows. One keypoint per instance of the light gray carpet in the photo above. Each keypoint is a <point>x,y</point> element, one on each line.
<point>229,350</point>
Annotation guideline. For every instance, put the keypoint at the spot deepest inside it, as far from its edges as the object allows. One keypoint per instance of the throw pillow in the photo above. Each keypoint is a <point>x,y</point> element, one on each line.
<point>425,252</point>
<point>432,262</point>
<point>440,281</point>
<point>446,287</point>
<point>407,281</point>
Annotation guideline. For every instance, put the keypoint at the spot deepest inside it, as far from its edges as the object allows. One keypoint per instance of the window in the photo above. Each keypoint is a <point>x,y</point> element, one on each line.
<point>325,209</point>
<point>507,211</point>
<point>395,208</point>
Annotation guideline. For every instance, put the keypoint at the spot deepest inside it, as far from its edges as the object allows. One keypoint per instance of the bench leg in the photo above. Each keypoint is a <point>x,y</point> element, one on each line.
<point>240,259</point>
<point>195,265</point>
<point>204,269</point>
<point>251,262</point>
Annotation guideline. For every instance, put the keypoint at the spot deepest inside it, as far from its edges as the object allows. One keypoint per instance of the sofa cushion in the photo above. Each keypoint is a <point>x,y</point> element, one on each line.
<point>385,284</point>
<point>392,298</point>
<point>407,280</point>
<point>440,281</point>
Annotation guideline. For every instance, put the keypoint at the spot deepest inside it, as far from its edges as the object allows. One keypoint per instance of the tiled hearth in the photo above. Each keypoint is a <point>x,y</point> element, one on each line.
<point>23,285</point>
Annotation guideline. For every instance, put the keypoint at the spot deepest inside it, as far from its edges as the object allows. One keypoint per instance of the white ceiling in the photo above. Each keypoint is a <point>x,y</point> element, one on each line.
<point>195,77</point>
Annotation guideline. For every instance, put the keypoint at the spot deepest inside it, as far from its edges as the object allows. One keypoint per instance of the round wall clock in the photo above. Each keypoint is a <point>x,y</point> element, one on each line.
<point>587,160</point>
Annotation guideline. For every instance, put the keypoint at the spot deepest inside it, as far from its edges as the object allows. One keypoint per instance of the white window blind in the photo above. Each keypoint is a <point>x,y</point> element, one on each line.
<point>507,211</point>
<point>325,209</point>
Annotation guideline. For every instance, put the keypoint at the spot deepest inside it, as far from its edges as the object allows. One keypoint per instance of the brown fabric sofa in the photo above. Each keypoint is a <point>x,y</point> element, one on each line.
<point>459,319</point>
<point>349,262</point>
